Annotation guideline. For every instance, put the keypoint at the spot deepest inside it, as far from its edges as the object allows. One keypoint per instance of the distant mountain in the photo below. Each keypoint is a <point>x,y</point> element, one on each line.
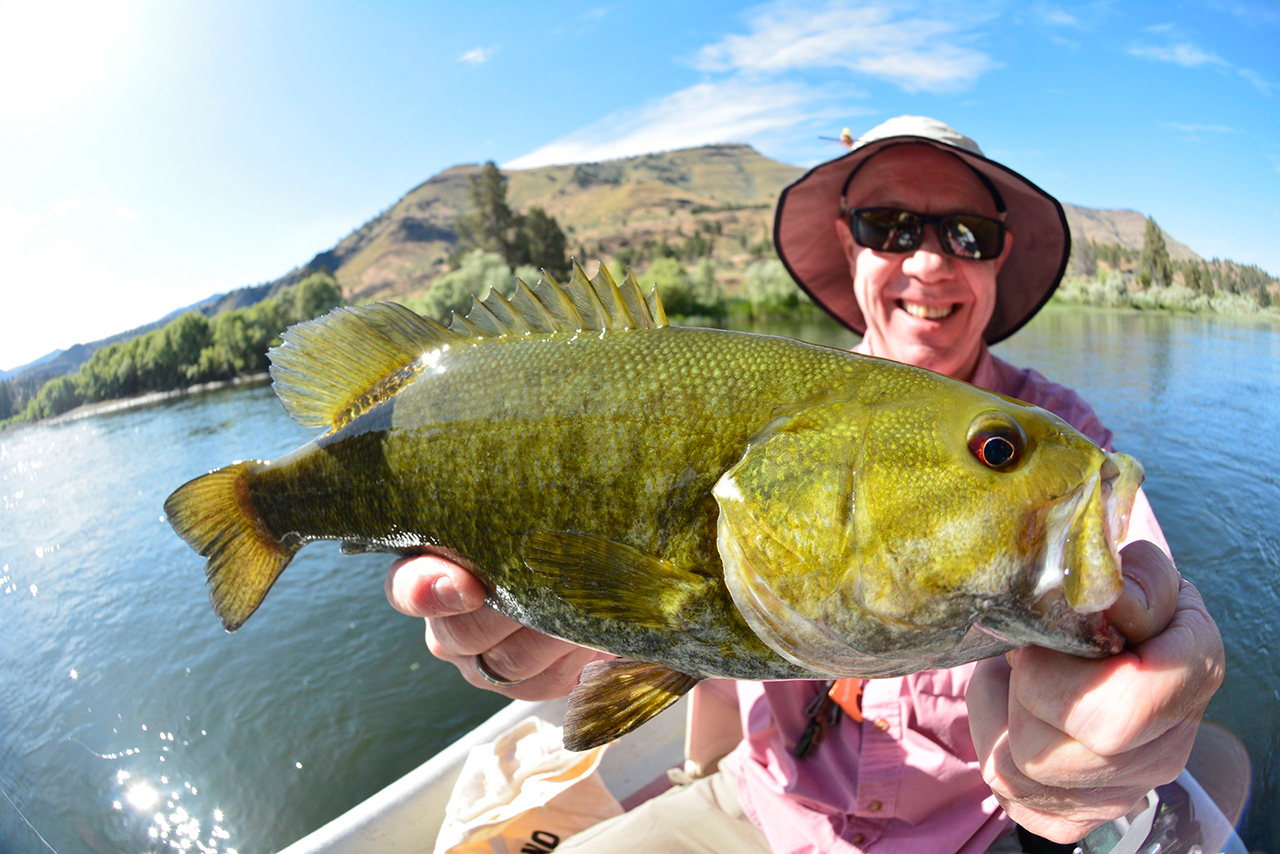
<point>1123,227</point>
<point>61,362</point>
<point>725,190</point>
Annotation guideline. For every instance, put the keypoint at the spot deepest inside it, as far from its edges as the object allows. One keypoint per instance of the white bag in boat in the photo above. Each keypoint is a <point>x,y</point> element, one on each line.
<point>523,794</point>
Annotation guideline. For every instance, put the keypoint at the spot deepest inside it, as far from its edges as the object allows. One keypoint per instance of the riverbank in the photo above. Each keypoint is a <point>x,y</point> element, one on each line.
<point>1114,291</point>
<point>102,407</point>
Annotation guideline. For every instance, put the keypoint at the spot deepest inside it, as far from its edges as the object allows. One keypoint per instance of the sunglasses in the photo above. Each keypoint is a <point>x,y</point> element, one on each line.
<point>968,236</point>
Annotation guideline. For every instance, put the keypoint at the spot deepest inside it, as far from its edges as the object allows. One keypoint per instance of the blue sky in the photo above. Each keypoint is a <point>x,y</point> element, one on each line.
<point>154,153</point>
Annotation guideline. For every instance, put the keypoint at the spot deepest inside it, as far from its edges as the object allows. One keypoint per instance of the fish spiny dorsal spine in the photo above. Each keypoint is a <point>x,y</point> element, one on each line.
<point>332,369</point>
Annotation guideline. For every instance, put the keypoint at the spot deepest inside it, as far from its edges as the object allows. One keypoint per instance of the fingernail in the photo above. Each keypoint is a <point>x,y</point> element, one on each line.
<point>447,596</point>
<point>1137,591</point>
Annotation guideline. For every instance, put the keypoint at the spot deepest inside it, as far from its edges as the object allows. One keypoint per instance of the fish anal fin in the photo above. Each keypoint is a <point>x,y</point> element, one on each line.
<point>616,696</point>
<point>613,580</point>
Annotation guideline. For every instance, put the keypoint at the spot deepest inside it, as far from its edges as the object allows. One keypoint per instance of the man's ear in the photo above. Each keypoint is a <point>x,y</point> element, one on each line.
<point>1004,253</point>
<point>847,242</point>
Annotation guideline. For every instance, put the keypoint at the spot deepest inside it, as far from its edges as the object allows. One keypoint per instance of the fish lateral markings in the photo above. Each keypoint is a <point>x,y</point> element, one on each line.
<point>705,503</point>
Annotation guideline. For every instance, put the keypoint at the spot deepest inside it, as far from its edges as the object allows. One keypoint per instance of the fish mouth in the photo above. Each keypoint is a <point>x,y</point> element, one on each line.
<point>1079,574</point>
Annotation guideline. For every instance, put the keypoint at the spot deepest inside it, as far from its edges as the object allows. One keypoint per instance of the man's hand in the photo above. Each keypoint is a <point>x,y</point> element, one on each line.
<point>1068,743</point>
<point>460,626</point>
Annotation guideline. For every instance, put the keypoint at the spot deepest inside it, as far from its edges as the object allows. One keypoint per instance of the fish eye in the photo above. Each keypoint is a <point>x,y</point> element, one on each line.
<point>996,441</point>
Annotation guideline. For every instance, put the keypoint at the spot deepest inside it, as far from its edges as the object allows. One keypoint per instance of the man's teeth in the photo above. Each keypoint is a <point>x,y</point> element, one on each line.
<point>928,312</point>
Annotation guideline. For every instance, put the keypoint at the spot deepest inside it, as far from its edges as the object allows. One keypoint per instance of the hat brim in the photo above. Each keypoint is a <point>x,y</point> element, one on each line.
<point>804,234</point>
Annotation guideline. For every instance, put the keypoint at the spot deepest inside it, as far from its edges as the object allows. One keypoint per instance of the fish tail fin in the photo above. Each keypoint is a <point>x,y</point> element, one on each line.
<point>216,515</point>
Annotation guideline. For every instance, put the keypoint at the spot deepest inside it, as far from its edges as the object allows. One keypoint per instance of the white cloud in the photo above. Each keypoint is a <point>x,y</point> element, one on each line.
<point>1275,160</point>
<point>892,41</point>
<point>126,213</point>
<point>1189,55</point>
<point>1185,54</point>
<point>734,110</point>
<point>1265,86</point>
<point>1185,128</point>
<point>478,55</point>
<point>1057,16</point>
<point>65,206</point>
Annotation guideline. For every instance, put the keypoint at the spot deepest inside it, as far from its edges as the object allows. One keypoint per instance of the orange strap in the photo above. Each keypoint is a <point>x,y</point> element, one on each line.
<point>847,694</point>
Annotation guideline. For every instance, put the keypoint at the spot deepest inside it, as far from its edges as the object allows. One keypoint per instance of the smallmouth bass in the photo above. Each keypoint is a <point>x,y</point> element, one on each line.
<point>703,503</point>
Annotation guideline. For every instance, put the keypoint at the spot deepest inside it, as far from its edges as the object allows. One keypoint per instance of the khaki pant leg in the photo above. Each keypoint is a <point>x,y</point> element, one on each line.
<point>703,817</point>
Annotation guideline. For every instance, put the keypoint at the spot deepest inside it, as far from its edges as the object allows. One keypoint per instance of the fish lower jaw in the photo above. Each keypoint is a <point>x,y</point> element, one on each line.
<point>927,312</point>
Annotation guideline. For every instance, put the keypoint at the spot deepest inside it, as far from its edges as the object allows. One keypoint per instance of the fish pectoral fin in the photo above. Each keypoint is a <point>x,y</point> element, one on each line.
<point>613,580</point>
<point>614,697</point>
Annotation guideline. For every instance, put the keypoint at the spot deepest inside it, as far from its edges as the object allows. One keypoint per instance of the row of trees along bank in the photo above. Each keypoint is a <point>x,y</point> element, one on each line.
<point>1112,275</point>
<point>191,349</point>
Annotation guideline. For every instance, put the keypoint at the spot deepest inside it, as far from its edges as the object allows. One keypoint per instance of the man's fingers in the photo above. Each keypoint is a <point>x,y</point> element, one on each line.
<point>468,634</point>
<point>1115,704</point>
<point>429,586</point>
<point>1150,594</point>
<point>1053,758</point>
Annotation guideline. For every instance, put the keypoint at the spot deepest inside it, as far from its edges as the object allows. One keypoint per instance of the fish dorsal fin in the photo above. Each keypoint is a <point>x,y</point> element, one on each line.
<point>330,370</point>
<point>580,305</point>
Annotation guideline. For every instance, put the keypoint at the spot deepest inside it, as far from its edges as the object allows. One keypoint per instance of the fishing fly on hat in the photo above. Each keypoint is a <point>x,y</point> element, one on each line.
<point>804,229</point>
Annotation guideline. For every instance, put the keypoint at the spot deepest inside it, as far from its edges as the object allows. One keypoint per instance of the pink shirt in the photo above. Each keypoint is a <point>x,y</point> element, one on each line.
<point>907,778</point>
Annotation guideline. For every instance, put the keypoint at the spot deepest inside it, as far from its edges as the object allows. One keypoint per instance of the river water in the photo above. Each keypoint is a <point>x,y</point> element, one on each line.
<point>130,722</point>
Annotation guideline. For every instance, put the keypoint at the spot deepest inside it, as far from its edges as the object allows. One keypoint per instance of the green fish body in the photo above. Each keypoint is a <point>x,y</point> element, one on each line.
<point>703,503</point>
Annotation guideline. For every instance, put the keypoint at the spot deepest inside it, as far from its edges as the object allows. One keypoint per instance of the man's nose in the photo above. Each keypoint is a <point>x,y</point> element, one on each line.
<point>928,261</point>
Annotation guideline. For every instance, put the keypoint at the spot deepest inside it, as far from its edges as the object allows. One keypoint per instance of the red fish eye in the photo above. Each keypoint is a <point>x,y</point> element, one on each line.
<point>997,445</point>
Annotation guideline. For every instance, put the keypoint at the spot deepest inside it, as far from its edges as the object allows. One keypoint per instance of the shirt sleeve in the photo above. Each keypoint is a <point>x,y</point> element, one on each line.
<point>1143,525</point>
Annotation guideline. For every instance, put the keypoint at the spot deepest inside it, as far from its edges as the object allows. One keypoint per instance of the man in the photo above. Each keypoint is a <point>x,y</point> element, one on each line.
<point>932,252</point>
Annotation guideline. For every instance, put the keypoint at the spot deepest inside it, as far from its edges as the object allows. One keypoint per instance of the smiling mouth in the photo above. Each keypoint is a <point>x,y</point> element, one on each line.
<point>927,312</point>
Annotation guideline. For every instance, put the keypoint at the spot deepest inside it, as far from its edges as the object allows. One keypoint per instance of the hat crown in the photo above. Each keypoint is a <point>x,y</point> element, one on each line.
<point>921,126</point>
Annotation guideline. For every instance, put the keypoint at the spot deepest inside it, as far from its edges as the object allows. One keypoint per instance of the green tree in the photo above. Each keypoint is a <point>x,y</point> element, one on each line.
<point>542,244</point>
<point>1154,260</point>
<point>672,281</point>
<point>708,294</point>
<point>478,271</point>
<point>769,287</point>
<point>490,225</point>
<point>1084,258</point>
<point>313,296</point>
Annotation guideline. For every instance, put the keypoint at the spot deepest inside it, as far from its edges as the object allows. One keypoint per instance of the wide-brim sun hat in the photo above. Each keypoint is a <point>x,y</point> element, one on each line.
<point>804,230</point>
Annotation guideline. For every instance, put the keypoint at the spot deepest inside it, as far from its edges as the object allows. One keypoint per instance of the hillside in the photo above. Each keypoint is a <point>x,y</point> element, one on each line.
<point>601,206</point>
<point>1120,227</point>
<point>727,191</point>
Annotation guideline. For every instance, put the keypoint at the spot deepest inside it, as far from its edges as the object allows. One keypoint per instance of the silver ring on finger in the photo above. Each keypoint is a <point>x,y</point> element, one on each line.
<point>491,677</point>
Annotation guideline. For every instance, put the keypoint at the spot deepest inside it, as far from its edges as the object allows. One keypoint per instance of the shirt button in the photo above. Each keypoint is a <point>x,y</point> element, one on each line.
<point>874,806</point>
<point>882,724</point>
<point>858,838</point>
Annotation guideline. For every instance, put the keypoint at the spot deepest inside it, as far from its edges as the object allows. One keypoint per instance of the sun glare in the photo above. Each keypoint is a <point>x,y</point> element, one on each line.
<point>52,53</point>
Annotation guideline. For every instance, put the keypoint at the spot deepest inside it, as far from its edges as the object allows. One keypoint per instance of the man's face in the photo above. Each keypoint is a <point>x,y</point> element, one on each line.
<point>922,307</point>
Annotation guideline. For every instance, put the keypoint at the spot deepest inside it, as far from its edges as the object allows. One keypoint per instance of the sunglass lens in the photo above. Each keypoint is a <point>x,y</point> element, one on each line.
<point>972,237</point>
<point>887,229</point>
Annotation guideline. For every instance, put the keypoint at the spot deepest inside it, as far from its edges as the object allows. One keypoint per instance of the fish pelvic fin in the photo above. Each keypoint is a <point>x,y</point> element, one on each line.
<point>216,515</point>
<point>614,697</point>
